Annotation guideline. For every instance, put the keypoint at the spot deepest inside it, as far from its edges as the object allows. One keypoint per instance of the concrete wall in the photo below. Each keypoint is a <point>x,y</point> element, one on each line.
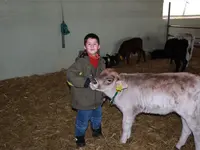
<point>30,39</point>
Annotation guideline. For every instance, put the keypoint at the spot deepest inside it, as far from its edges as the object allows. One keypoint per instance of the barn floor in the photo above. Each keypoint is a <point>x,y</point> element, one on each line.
<point>36,114</point>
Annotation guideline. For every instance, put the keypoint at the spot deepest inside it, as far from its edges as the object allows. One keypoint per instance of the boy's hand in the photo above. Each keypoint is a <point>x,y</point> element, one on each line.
<point>87,83</point>
<point>88,80</point>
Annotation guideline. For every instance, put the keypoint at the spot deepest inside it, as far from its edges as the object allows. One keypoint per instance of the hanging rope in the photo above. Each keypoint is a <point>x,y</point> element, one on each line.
<point>64,27</point>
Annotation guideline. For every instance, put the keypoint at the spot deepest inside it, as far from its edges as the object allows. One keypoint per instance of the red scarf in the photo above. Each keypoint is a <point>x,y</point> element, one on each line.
<point>94,60</point>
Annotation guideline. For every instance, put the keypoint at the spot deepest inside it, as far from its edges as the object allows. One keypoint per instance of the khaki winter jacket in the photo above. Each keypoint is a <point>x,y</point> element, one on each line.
<point>77,73</point>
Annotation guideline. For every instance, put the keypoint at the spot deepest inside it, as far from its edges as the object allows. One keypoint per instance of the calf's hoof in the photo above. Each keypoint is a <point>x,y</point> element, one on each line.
<point>123,140</point>
<point>178,146</point>
<point>175,148</point>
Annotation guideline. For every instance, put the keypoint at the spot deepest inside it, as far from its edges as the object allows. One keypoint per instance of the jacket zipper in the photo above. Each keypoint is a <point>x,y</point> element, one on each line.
<point>95,105</point>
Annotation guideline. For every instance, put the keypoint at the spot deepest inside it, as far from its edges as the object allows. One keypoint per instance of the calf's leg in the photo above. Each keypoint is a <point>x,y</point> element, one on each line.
<point>185,62</point>
<point>196,133</point>
<point>127,122</point>
<point>184,134</point>
<point>144,55</point>
<point>139,56</point>
<point>178,64</point>
<point>127,57</point>
<point>194,125</point>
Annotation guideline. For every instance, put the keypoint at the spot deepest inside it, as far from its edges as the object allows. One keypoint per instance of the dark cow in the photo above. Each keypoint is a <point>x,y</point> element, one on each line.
<point>114,59</point>
<point>107,61</point>
<point>111,60</point>
<point>176,50</point>
<point>158,54</point>
<point>134,45</point>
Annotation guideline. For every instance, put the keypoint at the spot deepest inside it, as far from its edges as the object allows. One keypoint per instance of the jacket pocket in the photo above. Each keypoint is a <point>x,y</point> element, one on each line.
<point>87,71</point>
<point>84,97</point>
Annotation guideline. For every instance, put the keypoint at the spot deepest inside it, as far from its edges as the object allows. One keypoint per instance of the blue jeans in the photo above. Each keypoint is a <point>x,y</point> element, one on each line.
<point>84,116</point>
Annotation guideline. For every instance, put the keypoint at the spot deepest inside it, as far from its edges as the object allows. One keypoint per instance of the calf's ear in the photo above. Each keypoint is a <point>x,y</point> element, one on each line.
<point>121,85</point>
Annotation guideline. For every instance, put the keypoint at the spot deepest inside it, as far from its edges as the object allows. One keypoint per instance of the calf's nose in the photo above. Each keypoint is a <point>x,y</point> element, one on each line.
<point>94,81</point>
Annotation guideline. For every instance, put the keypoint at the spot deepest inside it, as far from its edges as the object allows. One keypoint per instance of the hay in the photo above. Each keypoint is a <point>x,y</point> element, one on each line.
<point>36,114</point>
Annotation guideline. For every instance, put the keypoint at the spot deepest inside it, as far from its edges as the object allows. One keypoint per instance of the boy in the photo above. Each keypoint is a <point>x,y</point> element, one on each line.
<point>86,101</point>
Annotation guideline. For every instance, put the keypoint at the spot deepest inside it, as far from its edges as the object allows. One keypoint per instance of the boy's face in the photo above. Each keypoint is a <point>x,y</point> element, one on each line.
<point>92,46</point>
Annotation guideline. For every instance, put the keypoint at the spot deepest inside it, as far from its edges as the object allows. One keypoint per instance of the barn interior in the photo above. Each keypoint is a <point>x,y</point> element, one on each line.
<point>35,101</point>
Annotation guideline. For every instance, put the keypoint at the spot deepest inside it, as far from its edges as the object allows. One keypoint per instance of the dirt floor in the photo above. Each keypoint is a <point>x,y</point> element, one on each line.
<point>36,114</point>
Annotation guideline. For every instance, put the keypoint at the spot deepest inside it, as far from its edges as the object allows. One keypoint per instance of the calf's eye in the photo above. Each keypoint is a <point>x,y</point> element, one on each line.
<point>109,81</point>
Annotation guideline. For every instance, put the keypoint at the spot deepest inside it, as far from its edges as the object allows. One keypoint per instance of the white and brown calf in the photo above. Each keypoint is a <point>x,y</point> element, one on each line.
<point>191,39</point>
<point>159,93</point>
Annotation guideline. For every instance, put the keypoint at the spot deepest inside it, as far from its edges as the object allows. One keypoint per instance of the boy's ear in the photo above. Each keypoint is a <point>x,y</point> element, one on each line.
<point>99,47</point>
<point>84,47</point>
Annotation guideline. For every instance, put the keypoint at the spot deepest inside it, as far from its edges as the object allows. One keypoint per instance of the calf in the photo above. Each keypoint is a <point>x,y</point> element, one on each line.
<point>114,59</point>
<point>191,39</point>
<point>180,50</point>
<point>155,93</point>
<point>158,54</point>
<point>176,49</point>
<point>111,60</point>
<point>107,61</point>
<point>134,45</point>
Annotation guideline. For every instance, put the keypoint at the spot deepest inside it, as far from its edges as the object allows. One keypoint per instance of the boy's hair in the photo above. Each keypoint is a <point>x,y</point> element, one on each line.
<point>93,36</point>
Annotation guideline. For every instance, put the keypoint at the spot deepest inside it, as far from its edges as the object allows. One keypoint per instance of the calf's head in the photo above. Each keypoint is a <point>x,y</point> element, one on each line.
<point>108,80</point>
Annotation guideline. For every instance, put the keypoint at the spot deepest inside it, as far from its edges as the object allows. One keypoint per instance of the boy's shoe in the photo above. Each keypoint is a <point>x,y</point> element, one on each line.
<point>96,132</point>
<point>80,141</point>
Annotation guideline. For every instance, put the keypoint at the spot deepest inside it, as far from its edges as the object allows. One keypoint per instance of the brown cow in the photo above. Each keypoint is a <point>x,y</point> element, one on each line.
<point>134,45</point>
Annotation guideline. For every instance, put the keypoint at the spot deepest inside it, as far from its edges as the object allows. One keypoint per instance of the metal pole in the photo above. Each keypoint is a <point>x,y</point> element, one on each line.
<point>63,36</point>
<point>168,21</point>
<point>186,27</point>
